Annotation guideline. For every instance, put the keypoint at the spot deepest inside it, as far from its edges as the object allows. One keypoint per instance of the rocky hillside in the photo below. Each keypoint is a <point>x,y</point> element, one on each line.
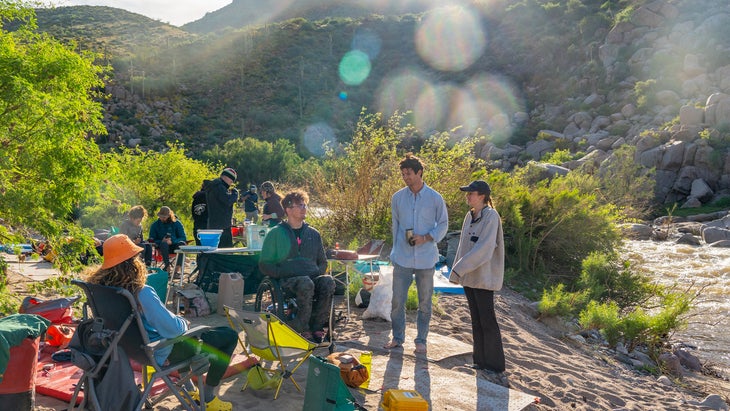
<point>586,78</point>
<point>668,65</point>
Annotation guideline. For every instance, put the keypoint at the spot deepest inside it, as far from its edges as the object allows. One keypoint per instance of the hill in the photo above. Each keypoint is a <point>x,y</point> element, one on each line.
<point>531,77</point>
<point>114,32</point>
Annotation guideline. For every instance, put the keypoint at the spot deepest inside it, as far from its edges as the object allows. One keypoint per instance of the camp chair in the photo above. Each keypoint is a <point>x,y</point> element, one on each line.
<point>325,389</point>
<point>271,339</point>
<point>116,310</point>
<point>272,298</point>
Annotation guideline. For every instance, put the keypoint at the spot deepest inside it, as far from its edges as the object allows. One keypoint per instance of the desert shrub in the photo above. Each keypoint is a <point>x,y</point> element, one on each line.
<point>559,302</point>
<point>558,157</point>
<point>645,93</point>
<point>355,182</point>
<point>626,184</point>
<point>637,326</point>
<point>602,316</point>
<point>551,225</point>
<point>256,161</point>
<point>605,278</point>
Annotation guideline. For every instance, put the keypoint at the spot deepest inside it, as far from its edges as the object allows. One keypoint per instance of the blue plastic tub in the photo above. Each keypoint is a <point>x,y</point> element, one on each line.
<point>209,238</point>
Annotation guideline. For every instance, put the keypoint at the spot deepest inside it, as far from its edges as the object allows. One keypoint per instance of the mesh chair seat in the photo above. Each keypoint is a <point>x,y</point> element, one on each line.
<point>271,339</point>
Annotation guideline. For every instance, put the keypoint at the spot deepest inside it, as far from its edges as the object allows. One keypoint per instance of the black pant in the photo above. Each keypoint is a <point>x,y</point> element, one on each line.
<point>165,250</point>
<point>226,240</point>
<point>218,343</point>
<point>488,351</point>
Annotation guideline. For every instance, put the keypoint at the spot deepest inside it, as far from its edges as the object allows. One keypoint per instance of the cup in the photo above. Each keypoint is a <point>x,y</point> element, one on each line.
<point>409,237</point>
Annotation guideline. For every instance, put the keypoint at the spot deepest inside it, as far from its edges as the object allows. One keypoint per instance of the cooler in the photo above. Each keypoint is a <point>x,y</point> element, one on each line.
<point>18,384</point>
<point>403,400</point>
<point>255,236</point>
<point>230,291</point>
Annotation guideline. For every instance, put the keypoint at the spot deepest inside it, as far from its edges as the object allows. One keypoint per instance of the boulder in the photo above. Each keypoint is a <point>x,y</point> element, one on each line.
<point>713,234</point>
<point>691,115</point>
<point>688,360</point>
<point>688,239</point>
<point>701,191</point>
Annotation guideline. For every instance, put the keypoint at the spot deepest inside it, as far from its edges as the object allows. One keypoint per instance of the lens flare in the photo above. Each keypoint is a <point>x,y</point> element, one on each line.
<point>497,100</point>
<point>399,91</point>
<point>450,38</point>
<point>354,68</point>
<point>368,42</point>
<point>317,137</point>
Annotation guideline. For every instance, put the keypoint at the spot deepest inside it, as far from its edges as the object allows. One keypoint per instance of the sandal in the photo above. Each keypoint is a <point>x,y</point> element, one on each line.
<point>393,344</point>
<point>420,348</point>
<point>216,404</point>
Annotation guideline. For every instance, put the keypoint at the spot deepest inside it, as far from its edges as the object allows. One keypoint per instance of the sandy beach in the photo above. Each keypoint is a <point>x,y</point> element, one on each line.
<point>546,369</point>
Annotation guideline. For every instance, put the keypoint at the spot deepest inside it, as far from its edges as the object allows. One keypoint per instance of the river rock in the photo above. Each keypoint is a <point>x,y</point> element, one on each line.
<point>713,234</point>
<point>636,231</point>
<point>688,360</point>
<point>688,239</point>
<point>672,364</point>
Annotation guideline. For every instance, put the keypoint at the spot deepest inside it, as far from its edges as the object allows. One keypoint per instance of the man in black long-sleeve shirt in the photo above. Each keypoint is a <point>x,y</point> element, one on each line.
<point>220,197</point>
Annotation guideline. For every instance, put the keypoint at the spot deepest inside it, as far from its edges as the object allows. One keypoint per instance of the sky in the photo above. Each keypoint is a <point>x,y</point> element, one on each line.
<point>175,12</point>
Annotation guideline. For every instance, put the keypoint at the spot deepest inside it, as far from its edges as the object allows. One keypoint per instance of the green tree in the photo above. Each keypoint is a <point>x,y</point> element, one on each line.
<point>48,109</point>
<point>150,178</point>
<point>256,161</point>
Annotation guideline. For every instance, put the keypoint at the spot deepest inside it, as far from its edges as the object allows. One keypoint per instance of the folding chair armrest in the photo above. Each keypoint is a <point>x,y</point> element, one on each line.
<point>193,332</point>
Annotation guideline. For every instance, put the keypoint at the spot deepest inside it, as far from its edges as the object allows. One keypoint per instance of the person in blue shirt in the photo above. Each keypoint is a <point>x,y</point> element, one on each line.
<point>251,204</point>
<point>168,234</point>
<point>122,268</point>
<point>420,221</point>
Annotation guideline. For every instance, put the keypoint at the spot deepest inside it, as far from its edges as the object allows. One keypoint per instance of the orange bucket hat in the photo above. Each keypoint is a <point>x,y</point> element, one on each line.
<point>119,248</point>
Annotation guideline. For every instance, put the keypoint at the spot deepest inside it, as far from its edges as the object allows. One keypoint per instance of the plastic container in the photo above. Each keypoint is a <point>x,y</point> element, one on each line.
<point>209,238</point>
<point>403,400</point>
<point>366,360</point>
<point>255,235</point>
<point>230,291</point>
<point>18,385</point>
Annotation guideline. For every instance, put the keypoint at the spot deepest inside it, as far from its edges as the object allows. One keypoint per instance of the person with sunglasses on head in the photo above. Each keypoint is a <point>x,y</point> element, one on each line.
<point>293,253</point>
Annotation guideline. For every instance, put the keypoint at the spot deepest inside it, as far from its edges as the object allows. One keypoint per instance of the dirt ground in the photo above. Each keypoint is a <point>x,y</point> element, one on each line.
<point>543,366</point>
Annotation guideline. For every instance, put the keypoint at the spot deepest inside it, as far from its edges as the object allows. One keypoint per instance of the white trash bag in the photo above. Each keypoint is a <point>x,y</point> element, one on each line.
<point>381,296</point>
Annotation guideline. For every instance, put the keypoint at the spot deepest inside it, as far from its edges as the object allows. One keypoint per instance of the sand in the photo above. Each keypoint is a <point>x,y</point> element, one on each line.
<point>545,368</point>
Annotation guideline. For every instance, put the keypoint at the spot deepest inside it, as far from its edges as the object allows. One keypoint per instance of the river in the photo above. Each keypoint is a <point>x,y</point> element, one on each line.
<point>685,266</point>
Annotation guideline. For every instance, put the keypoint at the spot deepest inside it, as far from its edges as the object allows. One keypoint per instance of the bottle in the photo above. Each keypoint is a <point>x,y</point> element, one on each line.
<point>337,246</point>
<point>366,359</point>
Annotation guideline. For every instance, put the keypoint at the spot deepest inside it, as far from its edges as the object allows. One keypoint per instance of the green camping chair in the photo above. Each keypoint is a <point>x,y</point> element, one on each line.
<point>325,389</point>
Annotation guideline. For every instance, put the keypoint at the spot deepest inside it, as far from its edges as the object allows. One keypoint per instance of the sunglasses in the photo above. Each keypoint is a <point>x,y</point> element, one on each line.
<point>300,206</point>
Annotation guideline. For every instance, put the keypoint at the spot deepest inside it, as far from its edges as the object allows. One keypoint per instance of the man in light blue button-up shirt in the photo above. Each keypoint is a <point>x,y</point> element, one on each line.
<point>420,220</point>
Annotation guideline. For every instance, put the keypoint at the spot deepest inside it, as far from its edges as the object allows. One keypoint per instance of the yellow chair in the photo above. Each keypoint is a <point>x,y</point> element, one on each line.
<point>270,339</point>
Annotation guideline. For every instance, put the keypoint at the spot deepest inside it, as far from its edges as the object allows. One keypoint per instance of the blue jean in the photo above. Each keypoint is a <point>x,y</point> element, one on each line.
<point>402,279</point>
